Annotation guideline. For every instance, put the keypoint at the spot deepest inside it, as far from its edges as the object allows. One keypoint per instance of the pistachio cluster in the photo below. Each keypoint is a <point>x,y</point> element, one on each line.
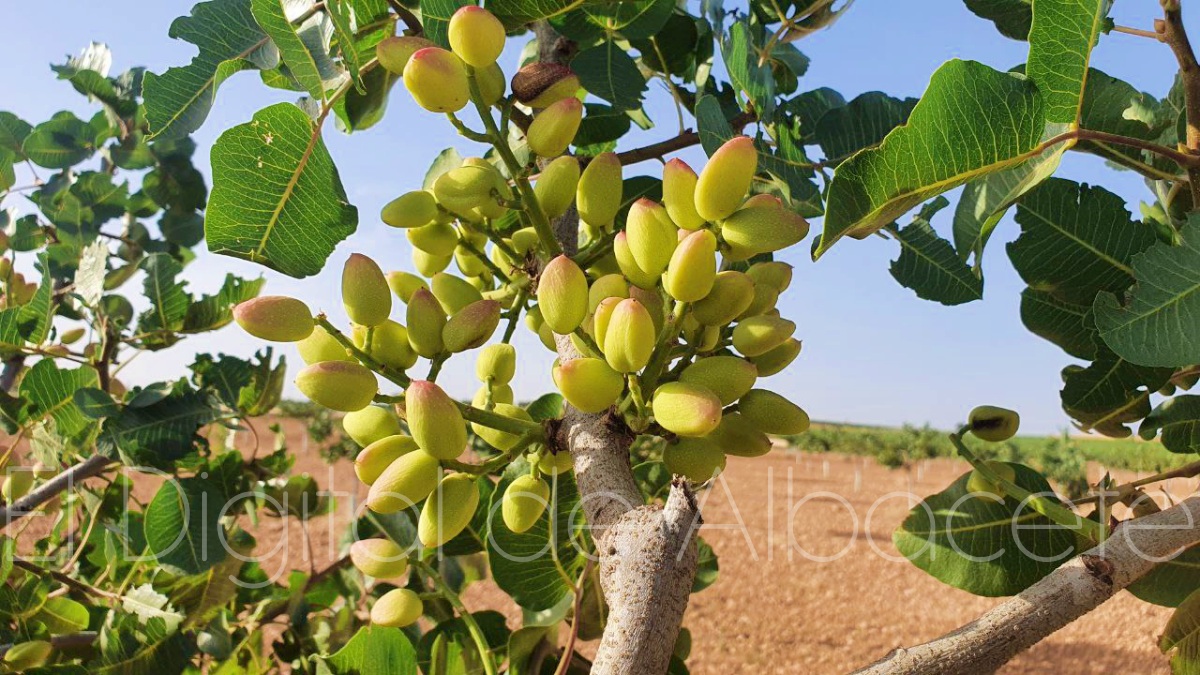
<point>671,306</point>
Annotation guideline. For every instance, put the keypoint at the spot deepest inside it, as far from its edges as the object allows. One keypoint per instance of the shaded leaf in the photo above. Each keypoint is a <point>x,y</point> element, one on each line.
<point>929,266</point>
<point>304,47</point>
<point>183,529</point>
<point>862,123</point>
<point>608,72</point>
<point>1066,324</point>
<point>1013,18</point>
<point>1178,420</point>
<point>1110,393</point>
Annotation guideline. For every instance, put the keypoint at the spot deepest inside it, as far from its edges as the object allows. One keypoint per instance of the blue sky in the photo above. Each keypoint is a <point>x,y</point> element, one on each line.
<point>873,352</point>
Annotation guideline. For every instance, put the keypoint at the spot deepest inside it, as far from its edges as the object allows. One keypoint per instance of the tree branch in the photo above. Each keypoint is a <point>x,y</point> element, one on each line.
<point>647,552</point>
<point>676,143</point>
<point>1171,31</point>
<point>88,468</point>
<point>1060,598</point>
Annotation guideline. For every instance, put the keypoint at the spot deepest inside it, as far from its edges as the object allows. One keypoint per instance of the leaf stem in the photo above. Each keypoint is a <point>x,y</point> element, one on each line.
<point>485,652</point>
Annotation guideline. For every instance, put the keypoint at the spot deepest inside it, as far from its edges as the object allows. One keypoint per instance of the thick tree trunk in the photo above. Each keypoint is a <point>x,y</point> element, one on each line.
<point>1063,596</point>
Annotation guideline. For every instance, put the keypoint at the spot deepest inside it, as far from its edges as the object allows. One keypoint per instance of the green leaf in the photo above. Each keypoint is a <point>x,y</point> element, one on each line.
<point>63,141</point>
<point>536,571</point>
<point>435,18</point>
<point>1066,324</point>
<point>304,47</point>
<point>36,315</point>
<point>608,72</point>
<point>277,198</point>
<point>1160,324</point>
<point>358,111</point>
<point>1076,240</point>
<point>1013,18</point>
<point>96,403</point>
<point>63,615</point>
<point>985,546</point>
<point>149,651</point>
<point>972,120</point>
<point>632,19</point>
<point>1060,48</point>
<point>714,128</point>
<point>375,649</point>
<point>159,432</point>
<point>861,123</point>
<point>929,266</point>
<point>984,200</point>
<point>706,566</point>
<point>183,527</point>
<point>741,53</point>
<point>1178,419</point>
<point>521,646</point>
<point>51,393</point>
<point>1182,636</point>
<point>546,407</point>
<point>454,633</point>
<point>168,299</point>
<point>516,12</point>
<point>13,132</point>
<point>808,109</point>
<point>601,124</point>
<point>210,312</point>
<point>1116,107</point>
<point>1110,393</point>
<point>1170,583</point>
<point>229,40</point>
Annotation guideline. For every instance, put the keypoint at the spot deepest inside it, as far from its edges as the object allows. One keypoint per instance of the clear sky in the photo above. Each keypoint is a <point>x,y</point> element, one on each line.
<point>873,352</point>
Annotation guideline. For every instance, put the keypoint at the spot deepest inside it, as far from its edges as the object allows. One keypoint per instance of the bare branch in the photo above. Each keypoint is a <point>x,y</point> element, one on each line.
<point>677,143</point>
<point>1063,596</point>
<point>1171,31</point>
<point>88,468</point>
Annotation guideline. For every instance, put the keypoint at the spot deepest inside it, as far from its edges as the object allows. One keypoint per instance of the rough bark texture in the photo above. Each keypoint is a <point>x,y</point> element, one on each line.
<point>1063,596</point>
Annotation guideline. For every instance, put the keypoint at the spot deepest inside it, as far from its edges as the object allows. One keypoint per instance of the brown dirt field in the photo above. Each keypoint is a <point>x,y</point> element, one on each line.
<point>774,609</point>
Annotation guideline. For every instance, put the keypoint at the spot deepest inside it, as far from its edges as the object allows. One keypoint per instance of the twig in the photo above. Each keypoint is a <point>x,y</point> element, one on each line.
<point>679,142</point>
<point>1117,28</point>
<point>88,468</point>
<point>1171,31</point>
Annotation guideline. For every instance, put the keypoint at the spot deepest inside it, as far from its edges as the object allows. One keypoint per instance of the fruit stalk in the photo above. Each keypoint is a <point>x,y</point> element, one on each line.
<point>485,654</point>
<point>364,358</point>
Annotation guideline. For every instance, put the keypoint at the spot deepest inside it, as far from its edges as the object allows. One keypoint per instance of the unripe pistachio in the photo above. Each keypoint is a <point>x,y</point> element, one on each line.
<point>434,420</point>
<point>605,265</point>
<point>554,463</point>
<point>56,351</point>
<point>471,326</point>
<point>696,459</point>
<point>492,84</point>
<point>772,413</point>
<point>773,273</point>
<point>601,317</point>
<point>476,35</point>
<point>389,344</point>
<point>5,268</point>
<point>778,358</point>
<point>525,240</point>
<point>763,225</point>
<point>17,482</point>
<point>437,80</point>
<point>502,440</point>
<point>651,236</point>
<point>686,409</point>
<point>276,318</point>
<point>540,84</point>
<point>706,339</point>
<point>411,209</point>
<point>607,286</point>
<point>977,482</point>
<point>72,335</point>
<point>365,292</point>
<point>738,436</point>
<point>338,385</point>
<point>554,128</point>
<point>379,558</point>
<point>370,424</point>
<point>555,187</point>
<point>994,424</point>
<point>731,294</point>
<point>652,300</point>
<point>28,655</point>
<point>563,295</point>
<point>394,52</point>
<point>497,363</point>
<point>525,500</point>
<point>629,266</point>
<point>590,385</point>
<point>629,337</point>
<point>465,188</point>
<point>448,510</point>
<point>426,320</point>
<point>760,334</point>
<point>452,292</point>
<point>725,180</point>
<point>439,239</point>
<point>764,301</point>
<point>397,608</point>
<point>404,284</point>
<point>373,460</point>
<point>679,194</point>
<point>429,265</point>
<point>404,483</point>
<point>321,346</point>
<point>599,193</point>
<point>729,377</point>
<point>499,393</point>
<point>693,267</point>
